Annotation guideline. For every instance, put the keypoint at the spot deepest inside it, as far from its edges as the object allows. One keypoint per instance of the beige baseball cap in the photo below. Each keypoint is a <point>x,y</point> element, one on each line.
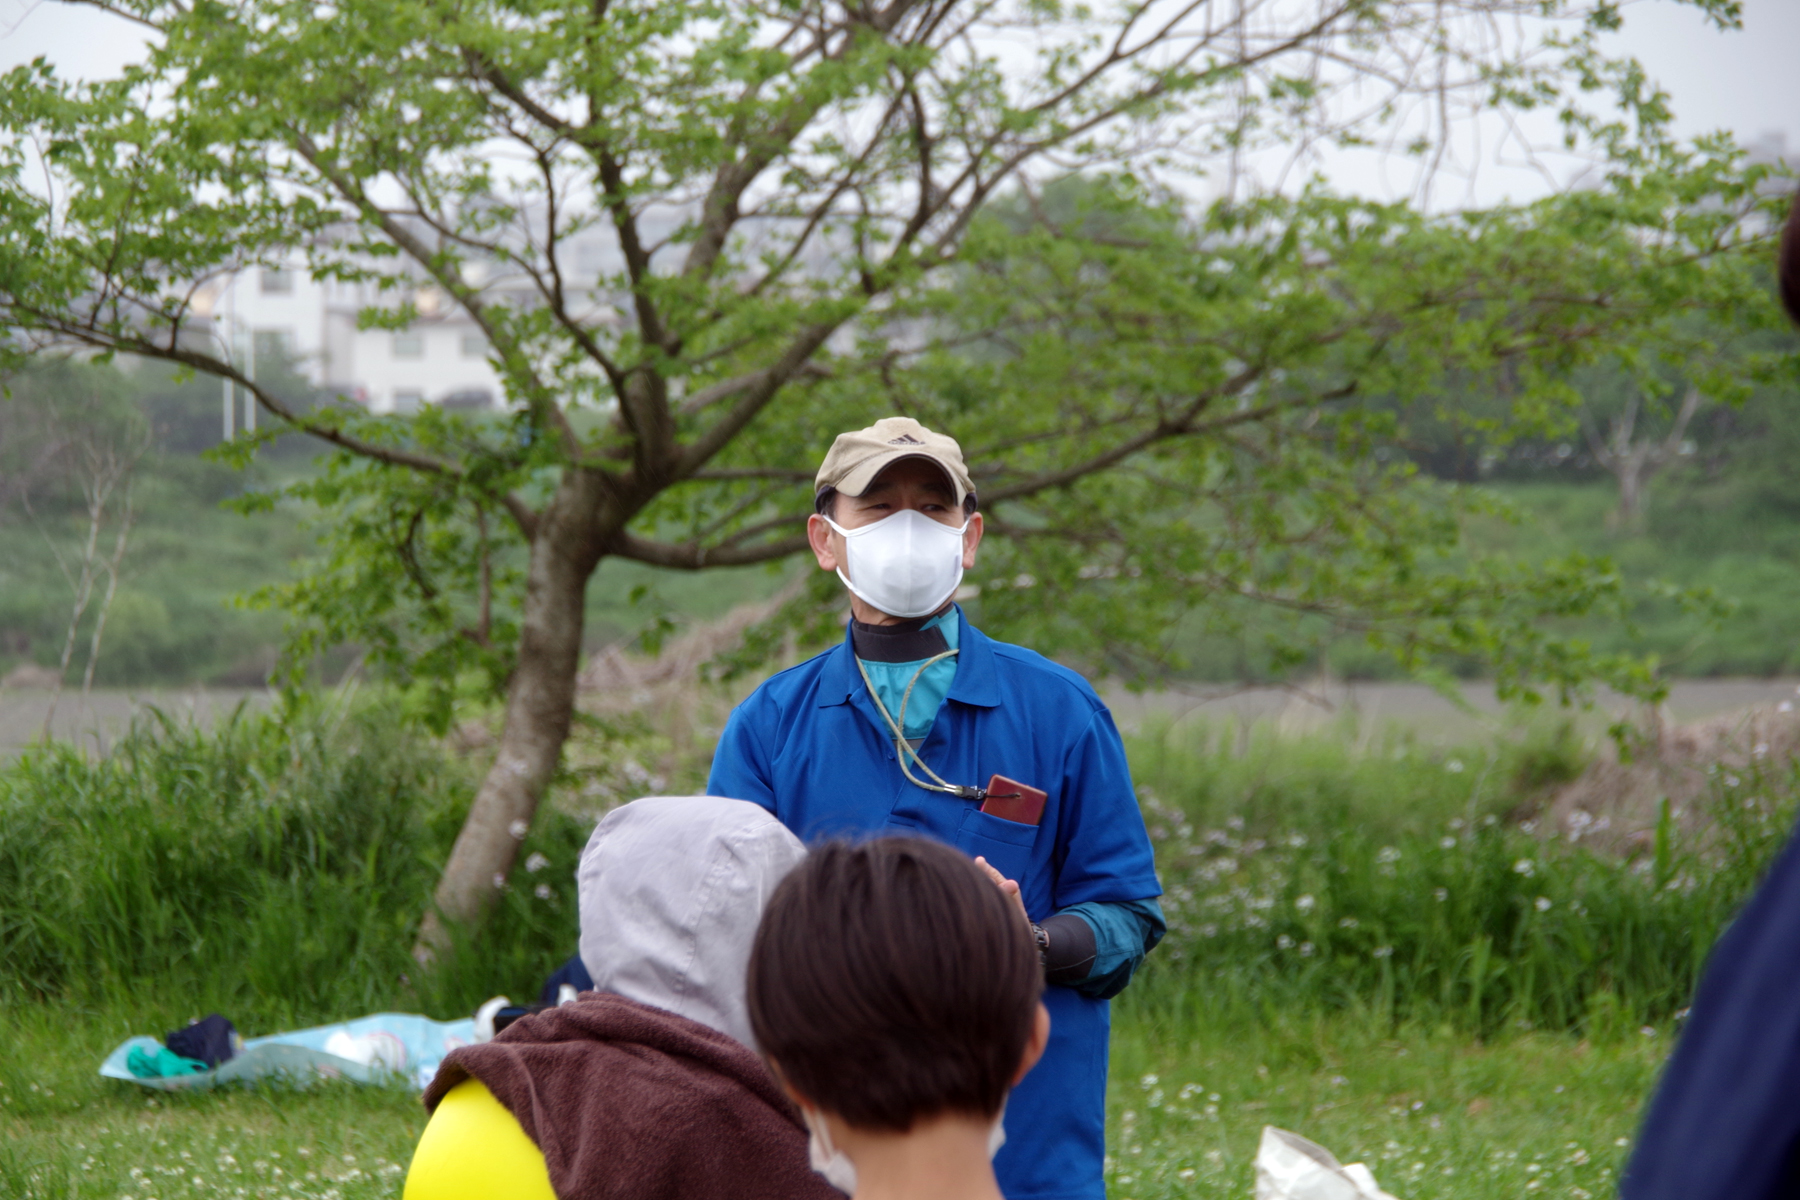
<point>855,459</point>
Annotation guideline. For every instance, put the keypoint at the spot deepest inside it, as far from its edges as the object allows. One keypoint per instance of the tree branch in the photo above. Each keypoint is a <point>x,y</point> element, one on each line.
<point>1161,431</point>
<point>347,187</point>
<point>719,211</point>
<point>694,557</point>
<point>730,473</point>
<point>175,352</point>
<point>759,393</point>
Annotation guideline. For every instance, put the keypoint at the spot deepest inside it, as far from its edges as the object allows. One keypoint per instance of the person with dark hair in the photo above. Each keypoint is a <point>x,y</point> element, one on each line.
<point>1724,1123</point>
<point>918,724</point>
<point>648,1088</point>
<point>895,993</point>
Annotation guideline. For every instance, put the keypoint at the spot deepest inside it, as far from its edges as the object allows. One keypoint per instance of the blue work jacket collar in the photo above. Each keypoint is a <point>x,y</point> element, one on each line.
<point>975,682</point>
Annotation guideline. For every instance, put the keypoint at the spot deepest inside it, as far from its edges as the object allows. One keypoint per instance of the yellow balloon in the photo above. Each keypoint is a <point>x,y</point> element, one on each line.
<point>473,1149</point>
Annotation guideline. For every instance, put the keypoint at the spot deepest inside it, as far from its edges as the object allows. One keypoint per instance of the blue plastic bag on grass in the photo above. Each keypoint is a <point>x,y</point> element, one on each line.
<point>373,1049</point>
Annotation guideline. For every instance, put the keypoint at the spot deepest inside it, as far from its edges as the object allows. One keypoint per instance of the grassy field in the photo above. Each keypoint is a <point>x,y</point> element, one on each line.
<point>1433,1114</point>
<point>65,1132</point>
<point>1368,946</point>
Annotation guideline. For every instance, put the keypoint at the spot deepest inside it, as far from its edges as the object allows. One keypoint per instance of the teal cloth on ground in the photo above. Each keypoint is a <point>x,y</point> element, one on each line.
<point>1124,932</point>
<point>890,679</point>
<point>164,1064</point>
<point>381,1046</point>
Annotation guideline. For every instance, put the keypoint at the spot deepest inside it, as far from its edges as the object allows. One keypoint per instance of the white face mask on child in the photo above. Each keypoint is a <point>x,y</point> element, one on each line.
<point>905,565</point>
<point>836,1166</point>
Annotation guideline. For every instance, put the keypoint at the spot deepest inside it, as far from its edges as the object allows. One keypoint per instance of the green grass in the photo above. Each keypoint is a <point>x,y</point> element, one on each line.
<point>67,1133</point>
<point>1478,1045</point>
<point>1489,1113</point>
<point>274,869</point>
<point>1432,1113</point>
<point>1327,875</point>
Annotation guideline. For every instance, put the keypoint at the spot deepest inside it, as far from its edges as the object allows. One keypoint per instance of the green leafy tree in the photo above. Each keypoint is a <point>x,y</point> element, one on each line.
<point>71,439</point>
<point>1161,407</point>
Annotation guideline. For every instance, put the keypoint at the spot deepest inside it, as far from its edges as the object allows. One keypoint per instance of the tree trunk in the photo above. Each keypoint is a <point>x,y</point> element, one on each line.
<point>1629,470</point>
<point>540,701</point>
<point>1634,463</point>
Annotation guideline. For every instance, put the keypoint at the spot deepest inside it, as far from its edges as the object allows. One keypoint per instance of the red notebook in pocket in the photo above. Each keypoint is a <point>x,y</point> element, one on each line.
<point>1011,800</point>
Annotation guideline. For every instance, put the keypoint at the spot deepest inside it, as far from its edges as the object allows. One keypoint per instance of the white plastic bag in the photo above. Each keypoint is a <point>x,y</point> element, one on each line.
<point>1288,1167</point>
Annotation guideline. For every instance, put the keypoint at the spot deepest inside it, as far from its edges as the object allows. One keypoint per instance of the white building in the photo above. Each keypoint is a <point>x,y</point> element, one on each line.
<point>442,357</point>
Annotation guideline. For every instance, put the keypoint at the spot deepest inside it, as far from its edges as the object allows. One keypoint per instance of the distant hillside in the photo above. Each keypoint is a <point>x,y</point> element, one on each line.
<point>1727,517</point>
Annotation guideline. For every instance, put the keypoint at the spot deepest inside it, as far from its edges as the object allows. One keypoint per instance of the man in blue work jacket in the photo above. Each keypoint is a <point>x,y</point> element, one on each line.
<point>894,731</point>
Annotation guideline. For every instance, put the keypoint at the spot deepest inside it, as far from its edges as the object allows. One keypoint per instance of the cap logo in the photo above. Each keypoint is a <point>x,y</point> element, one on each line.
<point>905,439</point>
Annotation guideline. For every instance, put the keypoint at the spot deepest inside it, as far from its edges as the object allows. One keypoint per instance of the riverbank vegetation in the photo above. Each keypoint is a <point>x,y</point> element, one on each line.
<point>1370,942</point>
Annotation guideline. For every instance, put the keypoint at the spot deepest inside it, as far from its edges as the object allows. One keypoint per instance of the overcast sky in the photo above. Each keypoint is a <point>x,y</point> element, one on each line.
<point>1742,81</point>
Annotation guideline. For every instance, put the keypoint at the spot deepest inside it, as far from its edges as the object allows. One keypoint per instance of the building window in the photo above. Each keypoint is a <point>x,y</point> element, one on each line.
<point>467,400</point>
<point>474,346</point>
<point>409,344</point>
<point>407,401</point>
<point>277,282</point>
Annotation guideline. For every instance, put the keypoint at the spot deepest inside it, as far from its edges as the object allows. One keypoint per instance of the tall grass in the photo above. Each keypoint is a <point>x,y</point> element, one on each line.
<point>1461,917</point>
<point>274,869</point>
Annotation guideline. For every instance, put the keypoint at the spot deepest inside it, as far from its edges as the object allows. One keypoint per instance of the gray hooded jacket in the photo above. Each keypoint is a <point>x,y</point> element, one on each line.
<point>671,891</point>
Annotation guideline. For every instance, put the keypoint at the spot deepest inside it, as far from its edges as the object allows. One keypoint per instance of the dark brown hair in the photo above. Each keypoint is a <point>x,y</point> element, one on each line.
<point>892,981</point>
<point>1787,268</point>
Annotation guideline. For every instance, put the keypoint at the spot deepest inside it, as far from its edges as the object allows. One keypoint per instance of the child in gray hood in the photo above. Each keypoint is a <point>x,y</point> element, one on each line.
<point>648,1086</point>
<point>672,889</point>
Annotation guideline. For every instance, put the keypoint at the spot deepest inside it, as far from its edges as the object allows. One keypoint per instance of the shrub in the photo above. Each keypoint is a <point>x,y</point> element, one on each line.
<point>274,869</point>
<point>1480,924</point>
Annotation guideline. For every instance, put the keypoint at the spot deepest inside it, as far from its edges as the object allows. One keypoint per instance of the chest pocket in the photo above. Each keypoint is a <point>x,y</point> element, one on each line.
<point>1005,844</point>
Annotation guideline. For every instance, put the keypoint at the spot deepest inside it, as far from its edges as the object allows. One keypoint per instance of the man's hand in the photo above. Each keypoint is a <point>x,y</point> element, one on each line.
<point>1009,886</point>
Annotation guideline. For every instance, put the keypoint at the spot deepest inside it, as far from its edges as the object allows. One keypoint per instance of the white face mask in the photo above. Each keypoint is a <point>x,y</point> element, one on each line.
<point>905,565</point>
<point>826,1158</point>
<point>836,1166</point>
